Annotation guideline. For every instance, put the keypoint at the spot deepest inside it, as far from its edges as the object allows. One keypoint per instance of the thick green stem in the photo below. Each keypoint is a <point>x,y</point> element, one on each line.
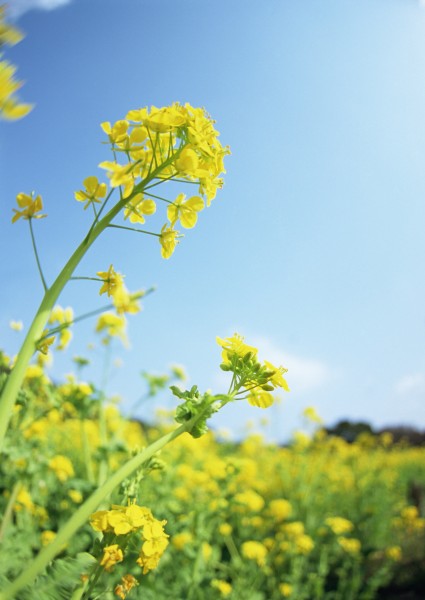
<point>82,515</point>
<point>35,332</point>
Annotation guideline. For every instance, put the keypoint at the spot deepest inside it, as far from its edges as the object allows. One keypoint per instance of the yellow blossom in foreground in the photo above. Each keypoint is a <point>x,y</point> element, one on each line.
<point>112,281</point>
<point>29,205</point>
<point>8,33</point>
<point>139,207</point>
<point>16,325</point>
<point>277,378</point>
<point>260,398</point>
<point>185,210</point>
<point>111,556</point>
<point>235,345</point>
<point>168,240</point>
<point>120,175</point>
<point>10,107</point>
<point>94,191</point>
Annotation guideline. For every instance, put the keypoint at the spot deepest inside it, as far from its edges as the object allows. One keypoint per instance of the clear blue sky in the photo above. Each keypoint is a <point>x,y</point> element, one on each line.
<point>314,249</point>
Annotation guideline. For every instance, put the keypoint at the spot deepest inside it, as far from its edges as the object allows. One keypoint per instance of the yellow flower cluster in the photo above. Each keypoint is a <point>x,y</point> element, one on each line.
<point>113,285</point>
<point>256,378</point>
<point>10,107</point>
<point>128,582</point>
<point>174,142</point>
<point>62,467</point>
<point>124,520</point>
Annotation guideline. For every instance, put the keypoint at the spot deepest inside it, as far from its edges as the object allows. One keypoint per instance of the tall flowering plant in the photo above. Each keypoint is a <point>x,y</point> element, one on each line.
<point>152,149</point>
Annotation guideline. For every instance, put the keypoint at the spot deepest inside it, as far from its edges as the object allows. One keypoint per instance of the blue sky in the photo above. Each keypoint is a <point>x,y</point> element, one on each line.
<point>314,249</point>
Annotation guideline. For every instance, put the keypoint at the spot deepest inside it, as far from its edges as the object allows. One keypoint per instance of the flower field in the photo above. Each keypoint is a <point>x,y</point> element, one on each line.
<point>320,518</point>
<point>96,504</point>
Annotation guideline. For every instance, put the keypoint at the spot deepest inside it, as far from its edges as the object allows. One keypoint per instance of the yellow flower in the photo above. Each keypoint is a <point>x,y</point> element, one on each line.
<point>235,345</point>
<point>112,281</point>
<point>123,519</point>
<point>260,398</point>
<point>120,175</point>
<point>222,586</point>
<point>128,583</point>
<point>310,413</point>
<point>280,509</point>
<point>99,520</point>
<point>225,529</point>
<point>16,325</point>
<point>47,536</point>
<point>116,132</point>
<point>285,589</point>
<point>125,302</point>
<point>138,207</point>
<point>394,553</point>
<point>304,544</point>
<point>94,192</point>
<point>350,545</point>
<point>62,467</point>
<point>339,525</point>
<point>75,496</point>
<point>8,34</point>
<point>30,206</point>
<point>10,107</point>
<point>182,539</point>
<point>206,550</point>
<point>114,325</point>
<point>111,556</point>
<point>44,343</point>
<point>255,551</point>
<point>168,240</point>
<point>185,210</point>
<point>277,378</point>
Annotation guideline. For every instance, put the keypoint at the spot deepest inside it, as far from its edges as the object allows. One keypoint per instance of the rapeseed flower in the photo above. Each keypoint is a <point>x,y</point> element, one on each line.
<point>111,556</point>
<point>185,210</point>
<point>30,206</point>
<point>94,192</point>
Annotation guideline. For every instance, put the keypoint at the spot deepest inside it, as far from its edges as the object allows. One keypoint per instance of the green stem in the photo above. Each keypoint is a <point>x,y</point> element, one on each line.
<point>86,451</point>
<point>35,332</point>
<point>92,313</point>
<point>81,516</point>
<point>134,229</point>
<point>34,245</point>
<point>9,508</point>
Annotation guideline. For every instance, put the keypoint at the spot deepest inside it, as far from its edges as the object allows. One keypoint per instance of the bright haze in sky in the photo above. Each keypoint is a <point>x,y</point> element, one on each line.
<point>315,248</point>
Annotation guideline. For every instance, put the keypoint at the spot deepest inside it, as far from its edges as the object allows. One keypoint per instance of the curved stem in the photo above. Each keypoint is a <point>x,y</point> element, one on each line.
<point>81,516</point>
<point>35,332</point>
